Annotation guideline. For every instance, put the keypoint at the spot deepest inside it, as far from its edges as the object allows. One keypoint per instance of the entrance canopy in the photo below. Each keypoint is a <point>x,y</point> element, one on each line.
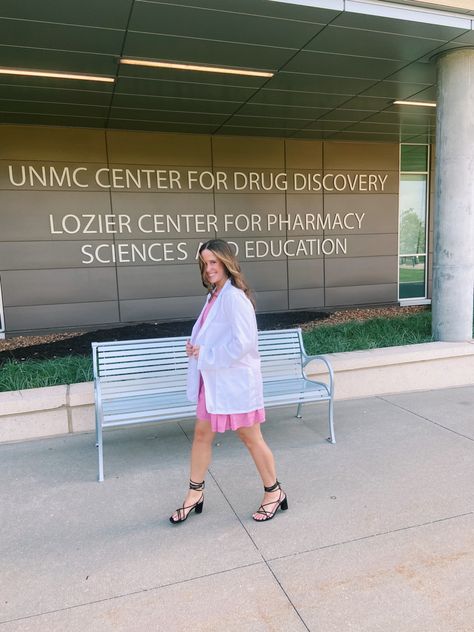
<point>337,65</point>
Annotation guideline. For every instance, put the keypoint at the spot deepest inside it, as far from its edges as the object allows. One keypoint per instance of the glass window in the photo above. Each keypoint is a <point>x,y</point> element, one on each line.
<point>412,214</point>
<point>414,158</point>
<point>412,271</point>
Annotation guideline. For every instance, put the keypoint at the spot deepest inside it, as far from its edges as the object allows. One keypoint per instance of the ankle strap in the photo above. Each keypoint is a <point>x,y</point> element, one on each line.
<point>273,488</point>
<point>198,487</point>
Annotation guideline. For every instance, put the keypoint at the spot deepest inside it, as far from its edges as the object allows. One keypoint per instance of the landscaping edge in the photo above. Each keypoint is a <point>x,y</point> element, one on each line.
<point>69,409</point>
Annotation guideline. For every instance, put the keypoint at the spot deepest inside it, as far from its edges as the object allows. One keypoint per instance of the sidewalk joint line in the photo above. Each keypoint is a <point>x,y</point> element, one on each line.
<point>255,544</point>
<point>131,594</point>
<point>371,536</point>
<point>435,423</point>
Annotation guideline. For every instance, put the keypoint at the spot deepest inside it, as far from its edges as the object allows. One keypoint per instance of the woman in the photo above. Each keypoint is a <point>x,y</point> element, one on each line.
<point>225,379</point>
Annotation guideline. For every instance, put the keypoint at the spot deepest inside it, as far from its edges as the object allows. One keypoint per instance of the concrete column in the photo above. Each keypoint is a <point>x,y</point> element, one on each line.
<point>453,269</point>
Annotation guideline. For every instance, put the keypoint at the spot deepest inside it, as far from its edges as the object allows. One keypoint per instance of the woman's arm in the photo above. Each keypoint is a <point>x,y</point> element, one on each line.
<point>240,315</point>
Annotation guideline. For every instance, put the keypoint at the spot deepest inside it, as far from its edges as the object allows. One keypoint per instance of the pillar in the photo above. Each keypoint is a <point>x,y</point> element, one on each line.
<point>453,258</point>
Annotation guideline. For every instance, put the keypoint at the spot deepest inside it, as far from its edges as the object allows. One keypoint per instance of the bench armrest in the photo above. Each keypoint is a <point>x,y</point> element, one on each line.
<point>321,358</point>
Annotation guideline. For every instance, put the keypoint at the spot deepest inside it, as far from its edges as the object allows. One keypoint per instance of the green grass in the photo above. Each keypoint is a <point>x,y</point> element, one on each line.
<point>369,334</point>
<point>350,336</point>
<point>15,376</point>
<point>412,275</point>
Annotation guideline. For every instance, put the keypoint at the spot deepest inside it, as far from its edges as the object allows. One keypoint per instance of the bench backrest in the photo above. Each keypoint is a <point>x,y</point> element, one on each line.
<point>281,354</point>
<point>141,366</point>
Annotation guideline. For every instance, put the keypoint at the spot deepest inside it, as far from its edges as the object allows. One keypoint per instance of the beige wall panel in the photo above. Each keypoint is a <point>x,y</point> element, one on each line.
<point>247,152</point>
<point>158,148</point>
<point>24,215</point>
<point>50,287</point>
<point>137,282</point>
<point>257,249</point>
<point>158,253</point>
<point>306,274</point>
<point>307,299</point>
<point>272,301</point>
<point>27,142</point>
<point>358,182</point>
<point>178,308</point>
<point>381,211</point>
<point>360,271</point>
<point>361,295</point>
<point>304,202</point>
<point>245,180</point>
<point>264,208</point>
<point>140,206</point>
<point>153,179</point>
<point>375,244</point>
<point>304,154</point>
<point>61,316</point>
<point>350,155</point>
<point>40,255</point>
<point>266,275</point>
<point>41,175</point>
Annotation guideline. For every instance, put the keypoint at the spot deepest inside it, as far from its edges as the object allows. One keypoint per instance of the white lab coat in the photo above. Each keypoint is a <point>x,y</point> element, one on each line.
<point>228,358</point>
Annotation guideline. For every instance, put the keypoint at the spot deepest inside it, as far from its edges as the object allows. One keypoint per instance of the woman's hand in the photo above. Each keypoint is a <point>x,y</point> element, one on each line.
<point>192,351</point>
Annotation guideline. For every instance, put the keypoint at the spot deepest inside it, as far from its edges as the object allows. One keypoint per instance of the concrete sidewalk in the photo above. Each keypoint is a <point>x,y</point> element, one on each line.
<point>379,535</point>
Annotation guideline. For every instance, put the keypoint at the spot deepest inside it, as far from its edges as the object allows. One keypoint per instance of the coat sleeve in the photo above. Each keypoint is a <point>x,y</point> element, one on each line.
<point>242,338</point>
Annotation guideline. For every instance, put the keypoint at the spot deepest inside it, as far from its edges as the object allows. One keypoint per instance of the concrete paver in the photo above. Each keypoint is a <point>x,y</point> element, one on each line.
<point>379,534</point>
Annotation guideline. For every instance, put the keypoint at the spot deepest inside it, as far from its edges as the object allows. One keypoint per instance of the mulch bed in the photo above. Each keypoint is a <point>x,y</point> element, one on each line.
<point>58,345</point>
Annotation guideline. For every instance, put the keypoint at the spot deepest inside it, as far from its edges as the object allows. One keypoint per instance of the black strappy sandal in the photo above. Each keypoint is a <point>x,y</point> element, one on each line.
<point>281,502</point>
<point>182,513</point>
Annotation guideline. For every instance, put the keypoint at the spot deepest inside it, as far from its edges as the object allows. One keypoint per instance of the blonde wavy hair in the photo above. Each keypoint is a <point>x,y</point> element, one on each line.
<point>224,253</point>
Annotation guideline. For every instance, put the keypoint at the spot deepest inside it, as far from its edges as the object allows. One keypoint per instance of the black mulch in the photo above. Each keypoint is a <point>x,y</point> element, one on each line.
<point>81,344</point>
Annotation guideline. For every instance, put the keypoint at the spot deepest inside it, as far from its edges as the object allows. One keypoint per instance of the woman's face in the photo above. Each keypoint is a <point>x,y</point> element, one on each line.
<point>214,269</point>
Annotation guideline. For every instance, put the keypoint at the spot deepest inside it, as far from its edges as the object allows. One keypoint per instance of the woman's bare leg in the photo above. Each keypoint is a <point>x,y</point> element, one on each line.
<point>201,453</point>
<point>265,463</point>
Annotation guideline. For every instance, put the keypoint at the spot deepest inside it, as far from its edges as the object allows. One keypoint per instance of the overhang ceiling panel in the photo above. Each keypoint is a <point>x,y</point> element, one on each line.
<point>294,12</point>
<point>174,104</point>
<point>311,99</point>
<point>146,88</point>
<point>161,126</point>
<point>305,82</point>
<point>197,51</point>
<point>304,112</point>
<point>24,118</point>
<point>394,90</point>
<point>54,95</point>
<point>170,116</point>
<point>372,44</point>
<point>60,109</point>
<point>57,60</point>
<point>187,76</point>
<point>104,13</point>
<point>339,65</point>
<point>413,28</point>
<point>336,72</point>
<point>60,37</point>
<point>198,23</point>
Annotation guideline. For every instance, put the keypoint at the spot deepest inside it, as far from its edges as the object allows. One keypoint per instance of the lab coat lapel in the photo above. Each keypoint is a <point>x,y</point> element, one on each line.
<point>213,312</point>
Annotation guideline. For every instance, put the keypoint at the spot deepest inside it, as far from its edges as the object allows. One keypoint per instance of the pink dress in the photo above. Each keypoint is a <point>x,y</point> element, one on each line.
<point>220,422</point>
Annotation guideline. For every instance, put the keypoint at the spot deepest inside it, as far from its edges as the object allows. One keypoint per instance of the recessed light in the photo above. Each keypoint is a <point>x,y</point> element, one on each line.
<point>428,104</point>
<point>216,69</point>
<point>54,75</point>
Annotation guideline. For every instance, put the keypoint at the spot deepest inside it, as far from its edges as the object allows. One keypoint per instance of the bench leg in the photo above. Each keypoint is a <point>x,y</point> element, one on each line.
<point>100,452</point>
<point>332,437</point>
<point>298,411</point>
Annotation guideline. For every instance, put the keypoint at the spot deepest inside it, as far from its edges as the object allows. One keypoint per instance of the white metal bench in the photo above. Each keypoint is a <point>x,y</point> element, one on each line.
<point>138,381</point>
